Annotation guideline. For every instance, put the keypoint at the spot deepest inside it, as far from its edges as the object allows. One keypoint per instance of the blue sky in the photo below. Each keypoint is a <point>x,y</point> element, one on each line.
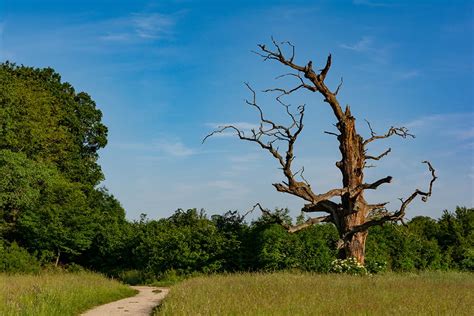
<point>165,73</point>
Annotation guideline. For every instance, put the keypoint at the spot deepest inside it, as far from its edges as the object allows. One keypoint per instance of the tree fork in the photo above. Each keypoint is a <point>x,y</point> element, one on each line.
<point>353,216</point>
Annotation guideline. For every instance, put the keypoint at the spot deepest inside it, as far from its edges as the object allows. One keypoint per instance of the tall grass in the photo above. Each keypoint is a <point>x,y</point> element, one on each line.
<point>57,293</point>
<point>313,294</point>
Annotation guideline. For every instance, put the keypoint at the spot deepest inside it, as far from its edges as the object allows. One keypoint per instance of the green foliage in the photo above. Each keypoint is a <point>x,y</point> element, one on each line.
<point>14,259</point>
<point>402,249</point>
<point>49,138</point>
<point>52,210</point>
<point>374,266</point>
<point>185,242</point>
<point>456,237</point>
<point>41,209</point>
<point>48,121</point>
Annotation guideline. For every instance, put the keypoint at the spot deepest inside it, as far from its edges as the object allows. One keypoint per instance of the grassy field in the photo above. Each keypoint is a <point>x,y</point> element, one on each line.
<point>313,294</point>
<point>51,294</point>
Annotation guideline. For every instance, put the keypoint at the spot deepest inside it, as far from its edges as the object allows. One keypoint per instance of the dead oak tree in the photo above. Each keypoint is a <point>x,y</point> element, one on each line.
<point>351,214</point>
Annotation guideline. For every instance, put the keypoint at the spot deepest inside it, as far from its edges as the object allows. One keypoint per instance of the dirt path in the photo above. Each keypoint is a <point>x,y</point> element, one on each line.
<point>139,305</point>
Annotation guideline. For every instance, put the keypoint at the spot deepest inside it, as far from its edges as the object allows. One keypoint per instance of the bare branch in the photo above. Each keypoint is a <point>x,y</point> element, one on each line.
<point>339,87</point>
<point>293,228</point>
<point>400,214</point>
<point>372,186</point>
<point>399,131</point>
<point>385,153</point>
<point>317,80</point>
<point>322,206</point>
<point>331,133</point>
<point>324,71</point>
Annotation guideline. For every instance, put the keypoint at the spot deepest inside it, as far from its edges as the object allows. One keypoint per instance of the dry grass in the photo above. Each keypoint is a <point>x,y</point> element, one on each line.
<point>51,294</point>
<point>312,294</point>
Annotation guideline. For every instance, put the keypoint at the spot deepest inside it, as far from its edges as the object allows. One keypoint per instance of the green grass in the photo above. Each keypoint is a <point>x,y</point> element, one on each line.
<point>317,294</point>
<point>57,293</point>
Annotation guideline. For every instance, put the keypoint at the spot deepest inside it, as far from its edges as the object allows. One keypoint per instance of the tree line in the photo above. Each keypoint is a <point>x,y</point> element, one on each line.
<point>53,212</point>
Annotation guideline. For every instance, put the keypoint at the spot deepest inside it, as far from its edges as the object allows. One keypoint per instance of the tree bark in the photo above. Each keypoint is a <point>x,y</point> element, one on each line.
<point>58,254</point>
<point>354,208</point>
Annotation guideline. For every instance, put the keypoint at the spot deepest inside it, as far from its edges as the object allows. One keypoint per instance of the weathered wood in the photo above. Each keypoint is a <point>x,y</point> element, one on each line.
<point>352,216</point>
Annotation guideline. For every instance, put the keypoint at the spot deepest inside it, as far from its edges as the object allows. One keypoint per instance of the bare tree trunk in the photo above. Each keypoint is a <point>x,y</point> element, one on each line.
<point>57,258</point>
<point>353,216</point>
<point>354,210</point>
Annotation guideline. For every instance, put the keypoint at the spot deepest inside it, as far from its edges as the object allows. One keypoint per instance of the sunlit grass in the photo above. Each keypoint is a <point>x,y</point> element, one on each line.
<point>51,294</point>
<point>315,294</point>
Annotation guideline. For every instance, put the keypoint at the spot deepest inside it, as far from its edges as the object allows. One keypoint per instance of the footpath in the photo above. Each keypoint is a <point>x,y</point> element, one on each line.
<point>141,304</point>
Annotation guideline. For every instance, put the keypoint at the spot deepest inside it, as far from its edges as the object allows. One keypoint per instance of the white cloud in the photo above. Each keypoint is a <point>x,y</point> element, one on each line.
<point>433,120</point>
<point>176,149</point>
<point>363,45</point>
<point>374,49</point>
<point>137,27</point>
<point>409,74</point>
<point>153,26</point>
<point>173,148</point>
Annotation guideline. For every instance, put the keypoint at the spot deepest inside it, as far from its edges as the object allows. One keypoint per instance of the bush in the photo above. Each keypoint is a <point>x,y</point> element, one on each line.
<point>348,266</point>
<point>375,266</point>
<point>15,259</point>
<point>132,277</point>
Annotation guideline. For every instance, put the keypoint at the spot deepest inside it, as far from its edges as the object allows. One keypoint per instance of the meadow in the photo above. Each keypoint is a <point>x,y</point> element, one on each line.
<point>428,293</point>
<point>57,294</point>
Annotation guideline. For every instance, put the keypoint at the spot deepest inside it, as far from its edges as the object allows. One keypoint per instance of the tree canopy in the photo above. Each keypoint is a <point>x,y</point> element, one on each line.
<point>49,141</point>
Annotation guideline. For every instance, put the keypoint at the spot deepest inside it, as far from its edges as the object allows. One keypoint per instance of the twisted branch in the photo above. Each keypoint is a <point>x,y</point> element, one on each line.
<point>398,215</point>
<point>293,228</point>
<point>399,131</point>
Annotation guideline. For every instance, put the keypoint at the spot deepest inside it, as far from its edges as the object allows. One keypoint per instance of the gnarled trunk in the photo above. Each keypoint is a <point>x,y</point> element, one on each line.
<point>354,208</point>
<point>353,216</point>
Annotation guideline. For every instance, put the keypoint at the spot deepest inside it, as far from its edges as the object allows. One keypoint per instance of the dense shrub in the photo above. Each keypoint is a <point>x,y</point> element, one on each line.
<point>14,259</point>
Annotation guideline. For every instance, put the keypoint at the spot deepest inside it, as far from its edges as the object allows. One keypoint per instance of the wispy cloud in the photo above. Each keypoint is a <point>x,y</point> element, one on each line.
<point>452,129</point>
<point>176,149</point>
<point>363,45</point>
<point>153,26</point>
<point>167,148</point>
<point>139,27</point>
<point>433,120</point>
<point>372,48</point>
<point>409,74</point>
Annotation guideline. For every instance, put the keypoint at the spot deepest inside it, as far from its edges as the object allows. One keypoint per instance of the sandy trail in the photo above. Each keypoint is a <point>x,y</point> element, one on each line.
<point>141,304</point>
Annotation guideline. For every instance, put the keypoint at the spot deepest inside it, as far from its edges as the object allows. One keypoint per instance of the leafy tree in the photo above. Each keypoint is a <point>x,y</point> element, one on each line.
<point>456,237</point>
<point>186,242</point>
<point>41,209</point>
<point>49,139</point>
<point>48,121</point>
<point>111,245</point>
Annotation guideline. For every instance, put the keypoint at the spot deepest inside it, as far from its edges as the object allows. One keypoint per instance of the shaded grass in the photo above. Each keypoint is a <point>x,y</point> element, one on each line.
<point>57,293</point>
<point>438,293</point>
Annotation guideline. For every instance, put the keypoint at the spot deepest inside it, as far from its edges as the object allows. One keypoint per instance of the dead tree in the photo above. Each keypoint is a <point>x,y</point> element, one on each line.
<point>351,213</point>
